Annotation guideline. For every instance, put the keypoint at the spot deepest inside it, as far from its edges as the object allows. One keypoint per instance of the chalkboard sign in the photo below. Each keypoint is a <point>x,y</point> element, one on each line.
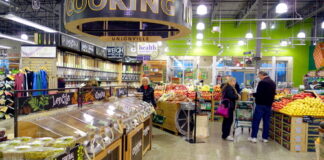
<point>137,146</point>
<point>87,48</point>
<point>74,154</point>
<point>308,119</point>
<point>101,52</point>
<point>44,102</point>
<point>115,52</point>
<point>99,93</point>
<point>121,92</point>
<point>70,42</point>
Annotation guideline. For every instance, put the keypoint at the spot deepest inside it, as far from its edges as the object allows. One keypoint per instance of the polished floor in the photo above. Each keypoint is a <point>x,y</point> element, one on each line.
<point>169,147</point>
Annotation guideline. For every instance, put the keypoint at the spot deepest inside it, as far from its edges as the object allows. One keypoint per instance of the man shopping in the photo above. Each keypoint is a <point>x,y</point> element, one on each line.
<point>264,97</point>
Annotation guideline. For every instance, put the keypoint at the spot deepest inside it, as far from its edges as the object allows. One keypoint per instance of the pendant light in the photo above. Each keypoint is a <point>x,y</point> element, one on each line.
<point>202,9</point>
<point>301,34</point>
<point>281,8</point>
<point>249,35</point>
<point>200,26</point>
<point>200,36</point>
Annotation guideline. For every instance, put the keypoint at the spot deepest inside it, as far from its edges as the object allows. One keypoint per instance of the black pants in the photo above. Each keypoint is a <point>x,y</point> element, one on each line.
<point>227,123</point>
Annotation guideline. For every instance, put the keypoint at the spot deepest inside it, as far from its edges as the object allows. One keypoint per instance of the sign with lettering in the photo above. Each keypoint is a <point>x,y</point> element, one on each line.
<point>115,52</point>
<point>38,51</point>
<point>70,42</point>
<point>101,52</point>
<point>99,93</point>
<point>147,48</point>
<point>44,102</point>
<point>137,145</point>
<point>121,92</point>
<point>87,48</point>
<point>143,57</point>
<point>74,154</point>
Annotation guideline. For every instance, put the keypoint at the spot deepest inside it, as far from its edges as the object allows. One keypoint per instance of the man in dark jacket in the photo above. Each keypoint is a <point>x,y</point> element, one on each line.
<point>264,97</point>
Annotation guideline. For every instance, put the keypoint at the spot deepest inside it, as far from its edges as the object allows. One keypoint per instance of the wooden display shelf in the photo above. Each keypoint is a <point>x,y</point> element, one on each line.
<point>133,144</point>
<point>112,152</point>
<point>169,110</point>
<point>147,135</point>
<point>294,134</point>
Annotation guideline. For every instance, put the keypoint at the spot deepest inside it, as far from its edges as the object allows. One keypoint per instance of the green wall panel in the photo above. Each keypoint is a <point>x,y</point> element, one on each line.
<point>231,35</point>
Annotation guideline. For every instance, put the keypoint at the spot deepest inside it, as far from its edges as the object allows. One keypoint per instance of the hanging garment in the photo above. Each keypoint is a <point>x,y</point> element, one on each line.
<point>37,83</point>
<point>19,83</point>
<point>44,82</point>
<point>30,79</point>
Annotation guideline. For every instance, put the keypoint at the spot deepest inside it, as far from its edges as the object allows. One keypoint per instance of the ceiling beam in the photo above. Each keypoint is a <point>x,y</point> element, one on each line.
<point>251,4</point>
<point>308,12</point>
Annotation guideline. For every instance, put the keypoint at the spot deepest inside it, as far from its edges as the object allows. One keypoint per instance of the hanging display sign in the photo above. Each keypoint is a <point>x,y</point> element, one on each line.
<point>147,48</point>
<point>115,52</point>
<point>95,18</point>
<point>70,42</point>
<point>101,52</point>
<point>143,57</point>
<point>38,51</point>
<point>87,48</point>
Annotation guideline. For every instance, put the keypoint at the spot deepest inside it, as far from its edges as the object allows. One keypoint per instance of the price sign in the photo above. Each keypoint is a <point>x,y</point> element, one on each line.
<point>101,52</point>
<point>87,48</point>
<point>115,52</point>
<point>308,119</point>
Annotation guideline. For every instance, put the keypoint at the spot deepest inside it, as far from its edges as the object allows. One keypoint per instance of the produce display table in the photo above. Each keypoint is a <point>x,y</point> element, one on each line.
<point>112,152</point>
<point>170,111</point>
<point>293,133</point>
<point>147,134</point>
<point>133,144</point>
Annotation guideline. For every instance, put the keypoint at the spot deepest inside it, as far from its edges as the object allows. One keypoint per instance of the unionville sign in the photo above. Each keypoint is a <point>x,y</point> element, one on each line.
<point>129,20</point>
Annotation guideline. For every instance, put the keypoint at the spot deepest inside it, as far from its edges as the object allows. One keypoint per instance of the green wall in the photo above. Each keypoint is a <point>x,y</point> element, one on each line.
<point>300,53</point>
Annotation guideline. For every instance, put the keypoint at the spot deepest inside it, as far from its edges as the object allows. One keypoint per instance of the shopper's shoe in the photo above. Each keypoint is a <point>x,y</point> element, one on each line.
<point>253,140</point>
<point>265,140</point>
<point>229,138</point>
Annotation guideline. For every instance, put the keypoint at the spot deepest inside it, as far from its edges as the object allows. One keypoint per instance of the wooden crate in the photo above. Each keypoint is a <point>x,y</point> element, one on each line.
<point>169,110</point>
<point>112,152</point>
<point>292,133</point>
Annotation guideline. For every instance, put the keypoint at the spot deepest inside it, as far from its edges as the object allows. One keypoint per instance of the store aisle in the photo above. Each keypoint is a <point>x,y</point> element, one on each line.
<point>169,147</point>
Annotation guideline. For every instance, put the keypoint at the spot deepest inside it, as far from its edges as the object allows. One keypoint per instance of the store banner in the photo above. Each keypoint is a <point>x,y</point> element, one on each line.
<point>70,42</point>
<point>44,102</point>
<point>115,52</point>
<point>145,48</point>
<point>38,52</point>
<point>101,52</point>
<point>87,48</point>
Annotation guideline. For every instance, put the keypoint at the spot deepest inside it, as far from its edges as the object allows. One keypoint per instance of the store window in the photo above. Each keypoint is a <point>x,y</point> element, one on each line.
<point>182,66</point>
<point>281,71</point>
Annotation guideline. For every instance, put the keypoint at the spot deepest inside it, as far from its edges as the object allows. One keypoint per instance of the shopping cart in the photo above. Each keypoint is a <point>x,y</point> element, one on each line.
<point>243,115</point>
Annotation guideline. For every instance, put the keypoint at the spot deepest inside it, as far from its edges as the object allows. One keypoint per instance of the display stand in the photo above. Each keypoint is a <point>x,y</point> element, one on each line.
<point>170,111</point>
<point>133,142</point>
<point>147,135</point>
<point>112,152</point>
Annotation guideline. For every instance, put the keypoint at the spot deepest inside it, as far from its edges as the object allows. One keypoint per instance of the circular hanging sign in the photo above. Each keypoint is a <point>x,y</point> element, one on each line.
<point>129,20</point>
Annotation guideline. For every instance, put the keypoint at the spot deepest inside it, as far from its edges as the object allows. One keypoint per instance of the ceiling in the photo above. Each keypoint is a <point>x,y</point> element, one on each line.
<point>49,13</point>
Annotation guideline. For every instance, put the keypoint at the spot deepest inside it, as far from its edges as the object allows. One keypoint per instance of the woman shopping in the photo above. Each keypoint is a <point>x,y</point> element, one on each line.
<point>230,95</point>
<point>148,91</point>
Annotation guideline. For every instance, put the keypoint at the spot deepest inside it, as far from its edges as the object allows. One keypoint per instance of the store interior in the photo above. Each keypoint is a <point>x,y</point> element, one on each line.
<point>148,80</point>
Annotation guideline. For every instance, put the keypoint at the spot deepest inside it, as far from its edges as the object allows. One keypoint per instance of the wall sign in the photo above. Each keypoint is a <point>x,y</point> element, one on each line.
<point>44,102</point>
<point>87,48</point>
<point>70,42</point>
<point>115,52</point>
<point>174,16</point>
<point>147,48</point>
<point>101,52</point>
<point>38,51</point>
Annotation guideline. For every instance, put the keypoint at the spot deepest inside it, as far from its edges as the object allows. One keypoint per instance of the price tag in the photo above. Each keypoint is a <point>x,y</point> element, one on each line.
<point>308,119</point>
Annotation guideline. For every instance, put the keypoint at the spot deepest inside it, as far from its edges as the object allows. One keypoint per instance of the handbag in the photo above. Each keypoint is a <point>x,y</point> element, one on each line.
<point>222,110</point>
<point>159,118</point>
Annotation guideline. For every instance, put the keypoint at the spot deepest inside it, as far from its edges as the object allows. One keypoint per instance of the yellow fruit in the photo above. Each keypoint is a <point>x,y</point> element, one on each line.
<point>308,106</point>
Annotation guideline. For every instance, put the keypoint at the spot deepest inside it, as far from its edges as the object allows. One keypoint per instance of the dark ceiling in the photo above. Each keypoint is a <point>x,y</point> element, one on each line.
<point>50,11</point>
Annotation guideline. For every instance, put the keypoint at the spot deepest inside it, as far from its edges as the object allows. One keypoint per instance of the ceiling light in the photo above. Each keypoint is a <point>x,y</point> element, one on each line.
<point>28,23</point>
<point>202,10</point>
<point>263,26</point>
<point>241,43</point>
<point>301,35</point>
<point>24,36</point>
<point>166,49</point>
<point>200,26</point>
<point>281,8</point>
<point>15,38</point>
<point>199,43</point>
<point>5,47</point>
<point>159,43</point>
<point>249,35</point>
<point>322,25</point>
<point>200,36</point>
<point>284,43</point>
<point>273,26</point>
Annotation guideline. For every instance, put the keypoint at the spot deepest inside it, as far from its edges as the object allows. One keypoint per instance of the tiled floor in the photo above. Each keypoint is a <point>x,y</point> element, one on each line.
<point>169,147</point>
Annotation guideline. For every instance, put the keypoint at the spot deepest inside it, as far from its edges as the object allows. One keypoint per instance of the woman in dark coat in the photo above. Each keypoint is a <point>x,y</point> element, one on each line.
<point>148,91</point>
<point>230,95</point>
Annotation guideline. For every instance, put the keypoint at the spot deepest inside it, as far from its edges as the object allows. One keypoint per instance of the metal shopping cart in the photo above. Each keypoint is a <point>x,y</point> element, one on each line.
<point>243,115</point>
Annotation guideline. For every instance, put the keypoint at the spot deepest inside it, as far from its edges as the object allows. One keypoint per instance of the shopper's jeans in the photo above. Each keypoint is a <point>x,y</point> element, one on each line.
<point>261,112</point>
<point>227,123</point>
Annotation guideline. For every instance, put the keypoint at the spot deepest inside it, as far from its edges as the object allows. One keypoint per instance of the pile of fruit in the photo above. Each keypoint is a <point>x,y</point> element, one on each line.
<point>177,89</point>
<point>158,91</point>
<point>278,96</point>
<point>281,104</point>
<point>206,95</point>
<point>217,88</point>
<point>191,94</point>
<point>217,94</point>
<point>308,106</point>
<point>205,88</point>
<point>174,98</point>
<point>303,95</point>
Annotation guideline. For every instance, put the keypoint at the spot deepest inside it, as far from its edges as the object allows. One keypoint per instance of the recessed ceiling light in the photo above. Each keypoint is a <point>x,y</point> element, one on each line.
<point>284,43</point>
<point>301,35</point>
<point>241,43</point>
<point>200,26</point>
<point>202,10</point>
<point>249,35</point>
<point>199,43</point>
<point>263,26</point>
<point>281,8</point>
<point>200,36</point>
